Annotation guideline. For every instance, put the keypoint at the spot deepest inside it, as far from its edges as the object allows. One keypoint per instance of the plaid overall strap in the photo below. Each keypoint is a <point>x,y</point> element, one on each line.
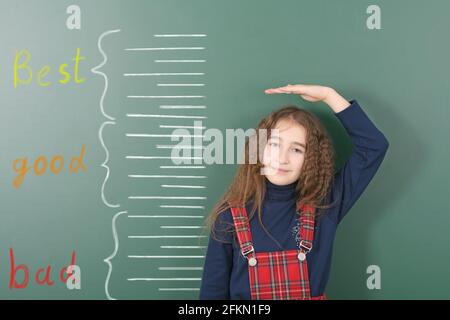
<point>243,233</point>
<point>307,221</point>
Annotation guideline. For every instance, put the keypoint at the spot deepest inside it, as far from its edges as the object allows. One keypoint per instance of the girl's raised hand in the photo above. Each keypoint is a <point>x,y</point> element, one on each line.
<point>312,93</point>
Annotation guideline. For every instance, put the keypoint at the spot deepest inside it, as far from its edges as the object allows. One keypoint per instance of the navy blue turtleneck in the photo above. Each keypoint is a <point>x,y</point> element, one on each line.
<point>225,274</point>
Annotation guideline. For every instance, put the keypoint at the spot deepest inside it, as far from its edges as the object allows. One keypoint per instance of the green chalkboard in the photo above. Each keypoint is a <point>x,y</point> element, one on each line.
<point>112,80</point>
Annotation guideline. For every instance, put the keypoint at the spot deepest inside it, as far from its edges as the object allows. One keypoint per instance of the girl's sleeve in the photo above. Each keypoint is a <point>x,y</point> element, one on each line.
<point>218,261</point>
<point>369,149</point>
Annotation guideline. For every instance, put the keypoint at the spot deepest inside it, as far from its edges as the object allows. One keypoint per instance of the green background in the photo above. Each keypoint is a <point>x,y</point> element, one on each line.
<point>399,75</point>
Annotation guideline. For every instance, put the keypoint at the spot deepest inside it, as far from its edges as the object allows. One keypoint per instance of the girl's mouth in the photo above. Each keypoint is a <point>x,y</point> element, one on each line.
<point>281,171</point>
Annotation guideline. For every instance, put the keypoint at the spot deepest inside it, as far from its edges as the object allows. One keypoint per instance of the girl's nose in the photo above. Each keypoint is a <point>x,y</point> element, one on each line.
<point>283,157</point>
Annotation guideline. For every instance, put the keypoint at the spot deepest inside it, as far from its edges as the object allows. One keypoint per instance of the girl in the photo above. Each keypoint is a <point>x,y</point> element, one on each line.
<point>286,252</point>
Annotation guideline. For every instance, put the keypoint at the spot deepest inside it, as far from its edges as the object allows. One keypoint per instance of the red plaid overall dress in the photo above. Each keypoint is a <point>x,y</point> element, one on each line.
<point>278,275</point>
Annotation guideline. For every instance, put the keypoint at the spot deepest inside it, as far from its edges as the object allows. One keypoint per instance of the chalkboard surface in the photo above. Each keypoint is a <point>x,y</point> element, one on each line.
<point>92,91</point>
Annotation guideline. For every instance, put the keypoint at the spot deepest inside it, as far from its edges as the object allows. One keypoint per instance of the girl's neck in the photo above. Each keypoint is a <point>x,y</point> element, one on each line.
<point>280,192</point>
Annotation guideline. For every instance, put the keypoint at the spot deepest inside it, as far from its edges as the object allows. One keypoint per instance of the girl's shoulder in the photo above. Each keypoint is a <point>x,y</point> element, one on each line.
<point>225,217</point>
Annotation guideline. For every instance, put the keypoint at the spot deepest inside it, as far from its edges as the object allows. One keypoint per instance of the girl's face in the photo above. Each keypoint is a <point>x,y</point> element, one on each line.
<point>284,152</point>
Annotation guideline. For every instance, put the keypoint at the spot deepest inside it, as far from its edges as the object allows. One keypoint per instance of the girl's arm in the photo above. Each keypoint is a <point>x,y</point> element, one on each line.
<point>218,263</point>
<point>369,149</point>
<point>369,144</point>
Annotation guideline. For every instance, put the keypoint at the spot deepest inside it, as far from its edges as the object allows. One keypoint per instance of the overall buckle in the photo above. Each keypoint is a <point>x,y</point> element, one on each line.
<point>246,250</point>
<point>305,246</point>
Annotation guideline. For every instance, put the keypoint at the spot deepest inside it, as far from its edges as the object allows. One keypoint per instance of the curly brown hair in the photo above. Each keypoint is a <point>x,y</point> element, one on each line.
<point>315,179</point>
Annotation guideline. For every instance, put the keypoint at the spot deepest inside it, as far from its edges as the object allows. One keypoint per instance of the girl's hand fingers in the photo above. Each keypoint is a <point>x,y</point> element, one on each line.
<point>311,93</point>
<point>275,90</point>
<point>295,89</point>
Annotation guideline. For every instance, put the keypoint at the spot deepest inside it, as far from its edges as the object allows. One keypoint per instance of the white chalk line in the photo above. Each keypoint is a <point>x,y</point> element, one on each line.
<point>181,35</point>
<point>179,268</point>
<point>180,84</point>
<point>164,176</point>
<point>182,186</point>
<point>179,61</point>
<point>164,279</point>
<point>182,247</point>
<point>166,237</point>
<point>138,115</point>
<point>164,48</point>
<point>179,289</point>
<point>182,167</point>
<point>164,257</point>
<point>150,135</point>
<point>162,146</point>
<point>182,207</point>
<point>151,74</point>
<point>182,107</point>
<point>167,197</point>
<point>165,216</point>
<point>158,157</point>
<point>165,97</point>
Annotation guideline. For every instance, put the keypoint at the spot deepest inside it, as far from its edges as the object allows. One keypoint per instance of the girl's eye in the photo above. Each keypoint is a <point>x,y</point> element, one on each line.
<point>298,151</point>
<point>273,144</point>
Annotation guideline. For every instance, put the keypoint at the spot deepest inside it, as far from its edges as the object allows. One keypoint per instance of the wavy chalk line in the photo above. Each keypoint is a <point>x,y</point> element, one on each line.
<point>94,70</point>
<point>116,248</point>
<point>104,164</point>
<point>100,131</point>
<point>100,136</point>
